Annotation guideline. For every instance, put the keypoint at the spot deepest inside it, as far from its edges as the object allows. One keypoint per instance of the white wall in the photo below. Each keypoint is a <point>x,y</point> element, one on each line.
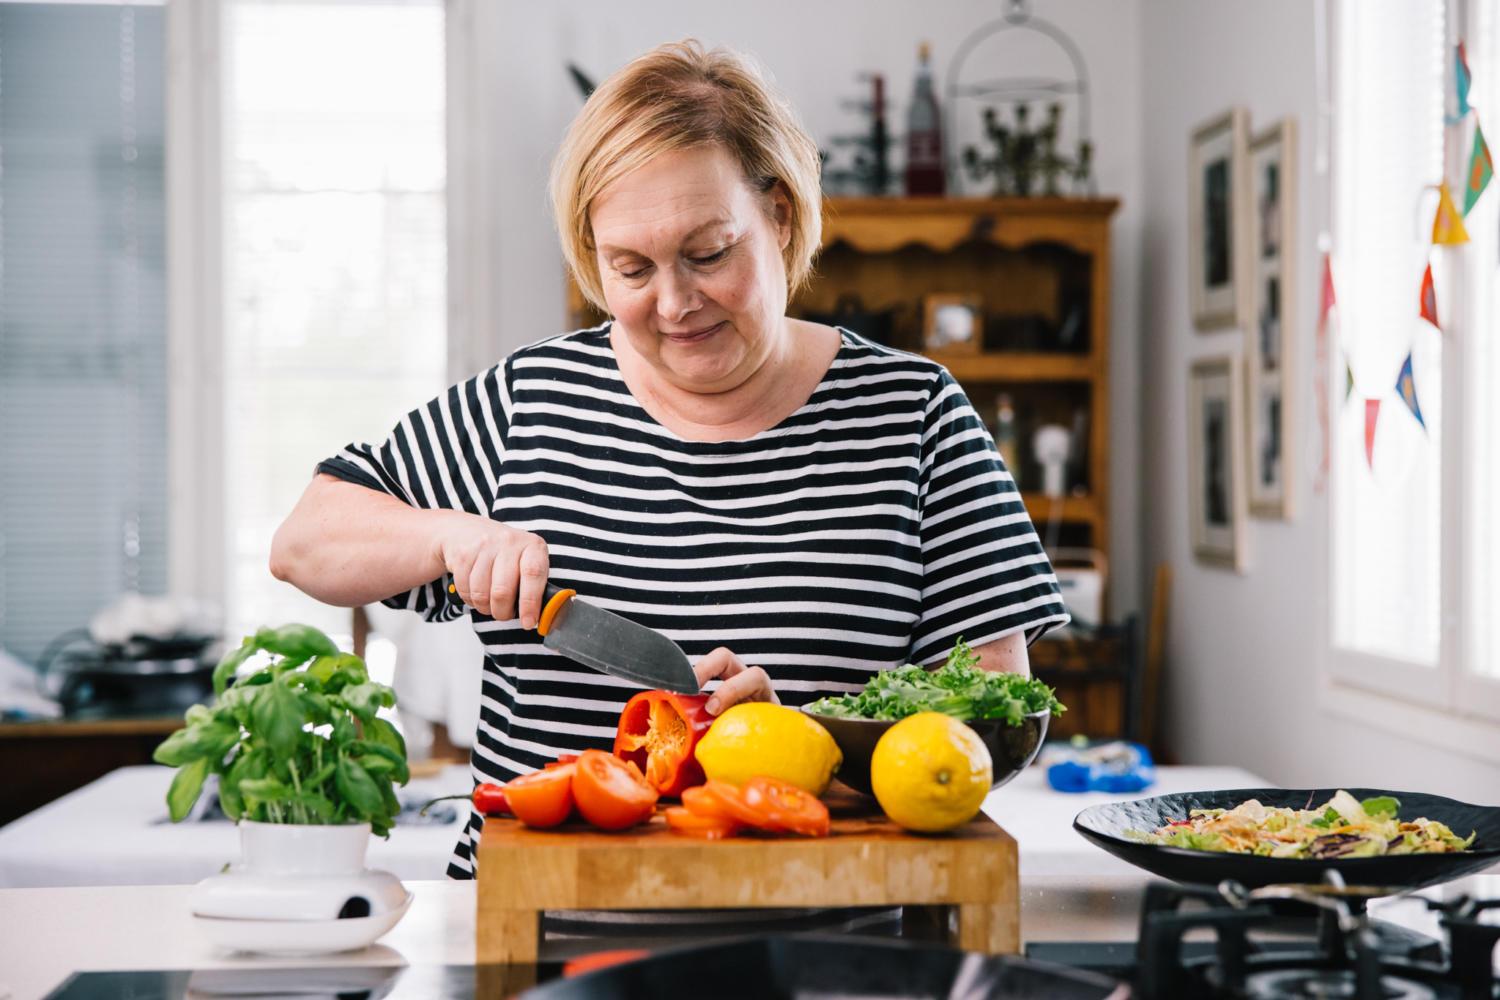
<point>1244,651</point>
<point>813,50</point>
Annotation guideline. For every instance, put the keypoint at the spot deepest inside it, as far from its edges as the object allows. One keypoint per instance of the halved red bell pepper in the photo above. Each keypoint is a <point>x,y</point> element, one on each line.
<point>659,730</point>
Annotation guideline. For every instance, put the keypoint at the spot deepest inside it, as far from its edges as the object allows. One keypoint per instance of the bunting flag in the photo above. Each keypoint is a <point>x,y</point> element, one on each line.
<point>1429,299</point>
<point>1372,413</point>
<point>1326,302</point>
<point>1447,225</point>
<point>1461,79</point>
<point>1348,380</point>
<point>1481,169</point>
<point>1406,387</point>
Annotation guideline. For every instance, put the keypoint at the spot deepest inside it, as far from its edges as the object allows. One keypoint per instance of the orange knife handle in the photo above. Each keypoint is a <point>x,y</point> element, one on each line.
<point>555,599</point>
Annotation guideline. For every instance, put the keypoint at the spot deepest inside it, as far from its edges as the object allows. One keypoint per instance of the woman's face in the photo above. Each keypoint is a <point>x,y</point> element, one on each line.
<point>690,259</point>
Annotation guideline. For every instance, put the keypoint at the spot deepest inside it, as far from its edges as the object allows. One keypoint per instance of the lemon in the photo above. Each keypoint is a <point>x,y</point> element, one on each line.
<point>758,738</point>
<point>930,772</point>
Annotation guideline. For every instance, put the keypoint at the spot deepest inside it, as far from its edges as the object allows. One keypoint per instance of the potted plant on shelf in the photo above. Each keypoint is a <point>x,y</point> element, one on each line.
<point>307,768</point>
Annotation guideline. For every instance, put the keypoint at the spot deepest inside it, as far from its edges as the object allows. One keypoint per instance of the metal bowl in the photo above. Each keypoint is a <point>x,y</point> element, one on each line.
<point>1011,748</point>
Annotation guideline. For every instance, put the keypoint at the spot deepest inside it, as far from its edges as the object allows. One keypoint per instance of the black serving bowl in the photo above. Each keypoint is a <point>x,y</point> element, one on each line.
<point>1011,748</point>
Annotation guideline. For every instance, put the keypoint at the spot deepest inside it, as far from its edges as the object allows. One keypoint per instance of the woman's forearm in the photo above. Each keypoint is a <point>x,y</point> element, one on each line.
<point>347,545</point>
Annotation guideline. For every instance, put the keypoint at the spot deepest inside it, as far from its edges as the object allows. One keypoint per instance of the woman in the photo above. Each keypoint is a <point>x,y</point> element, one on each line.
<point>795,506</point>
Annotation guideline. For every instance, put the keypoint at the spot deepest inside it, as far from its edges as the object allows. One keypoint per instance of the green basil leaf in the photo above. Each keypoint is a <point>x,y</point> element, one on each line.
<point>210,741</point>
<point>225,672</point>
<point>359,790</point>
<point>378,730</point>
<point>187,783</point>
<point>257,790</point>
<point>364,700</point>
<point>276,717</point>
<point>396,761</point>
<point>343,730</point>
<point>296,642</point>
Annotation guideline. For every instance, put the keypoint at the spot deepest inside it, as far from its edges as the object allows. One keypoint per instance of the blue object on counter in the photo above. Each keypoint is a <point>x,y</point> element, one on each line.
<point>1116,766</point>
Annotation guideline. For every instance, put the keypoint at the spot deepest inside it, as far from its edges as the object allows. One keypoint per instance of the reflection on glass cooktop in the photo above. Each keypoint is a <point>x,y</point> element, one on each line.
<point>412,982</point>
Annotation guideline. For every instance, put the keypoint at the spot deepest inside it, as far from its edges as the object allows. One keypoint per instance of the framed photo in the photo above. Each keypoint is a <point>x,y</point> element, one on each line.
<point>1215,468</point>
<point>952,324</point>
<point>1218,210</point>
<point>1269,340</point>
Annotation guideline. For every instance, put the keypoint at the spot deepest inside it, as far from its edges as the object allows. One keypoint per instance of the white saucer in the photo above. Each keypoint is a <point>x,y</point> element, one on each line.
<point>299,937</point>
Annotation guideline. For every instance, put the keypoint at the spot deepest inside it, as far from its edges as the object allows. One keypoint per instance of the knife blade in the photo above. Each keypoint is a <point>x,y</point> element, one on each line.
<point>611,644</point>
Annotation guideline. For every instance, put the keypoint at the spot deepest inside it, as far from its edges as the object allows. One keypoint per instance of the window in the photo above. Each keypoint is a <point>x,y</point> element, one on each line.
<point>334,250</point>
<point>1414,607</point>
<point>83,398</point>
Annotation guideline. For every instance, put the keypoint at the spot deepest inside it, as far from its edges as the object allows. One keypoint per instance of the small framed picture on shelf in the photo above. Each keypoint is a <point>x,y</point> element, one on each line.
<point>1218,220</point>
<point>1273,309</point>
<point>1216,505</point>
<point>952,324</point>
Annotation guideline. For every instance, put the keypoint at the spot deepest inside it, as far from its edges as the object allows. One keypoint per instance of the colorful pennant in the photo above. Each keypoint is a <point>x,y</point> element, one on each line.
<point>1348,380</point>
<point>1461,78</point>
<point>1326,302</point>
<point>1429,299</point>
<point>1372,413</point>
<point>1406,387</point>
<point>1481,169</point>
<point>1447,225</point>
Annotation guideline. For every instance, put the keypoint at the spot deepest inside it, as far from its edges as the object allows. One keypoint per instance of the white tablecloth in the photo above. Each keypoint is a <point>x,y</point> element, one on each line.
<point>112,832</point>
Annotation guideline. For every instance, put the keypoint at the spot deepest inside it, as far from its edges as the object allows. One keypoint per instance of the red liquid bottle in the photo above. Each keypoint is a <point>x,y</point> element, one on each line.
<point>924,134</point>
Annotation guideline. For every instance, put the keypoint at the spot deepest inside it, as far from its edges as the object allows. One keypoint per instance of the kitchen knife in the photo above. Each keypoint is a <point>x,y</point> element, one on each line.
<point>611,644</point>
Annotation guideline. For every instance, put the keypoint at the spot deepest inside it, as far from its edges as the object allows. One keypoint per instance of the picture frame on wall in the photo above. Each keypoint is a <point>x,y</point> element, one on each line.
<point>952,324</point>
<point>1218,210</point>
<point>1216,504</point>
<point>1269,339</point>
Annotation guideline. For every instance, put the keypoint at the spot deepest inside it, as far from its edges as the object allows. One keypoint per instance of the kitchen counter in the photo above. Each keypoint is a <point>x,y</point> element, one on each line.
<point>46,934</point>
<point>1070,890</point>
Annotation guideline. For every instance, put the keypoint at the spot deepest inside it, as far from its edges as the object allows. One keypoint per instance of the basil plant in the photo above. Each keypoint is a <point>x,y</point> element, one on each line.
<point>296,741</point>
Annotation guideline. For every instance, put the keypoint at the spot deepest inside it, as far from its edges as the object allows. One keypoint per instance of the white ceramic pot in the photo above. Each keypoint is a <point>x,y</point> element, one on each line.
<point>299,890</point>
<point>288,849</point>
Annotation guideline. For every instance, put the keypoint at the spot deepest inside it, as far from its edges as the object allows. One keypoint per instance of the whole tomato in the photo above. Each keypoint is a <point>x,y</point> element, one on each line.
<point>611,793</point>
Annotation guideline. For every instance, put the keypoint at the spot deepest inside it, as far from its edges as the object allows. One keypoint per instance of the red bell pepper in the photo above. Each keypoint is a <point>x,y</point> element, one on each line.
<point>659,731</point>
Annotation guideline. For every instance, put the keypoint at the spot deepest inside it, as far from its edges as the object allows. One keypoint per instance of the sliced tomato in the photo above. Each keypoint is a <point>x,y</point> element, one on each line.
<point>700,801</point>
<point>787,806</point>
<point>727,800</point>
<point>683,820</point>
<point>659,731</point>
<point>611,793</point>
<point>542,798</point>
<point>562,758</point>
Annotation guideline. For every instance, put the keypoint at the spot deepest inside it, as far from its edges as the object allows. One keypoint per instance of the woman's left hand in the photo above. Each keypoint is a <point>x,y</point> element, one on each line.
<point>741,683</point>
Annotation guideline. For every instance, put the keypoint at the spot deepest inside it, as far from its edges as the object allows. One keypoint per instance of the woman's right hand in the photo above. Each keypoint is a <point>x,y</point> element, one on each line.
<point>497,570</point>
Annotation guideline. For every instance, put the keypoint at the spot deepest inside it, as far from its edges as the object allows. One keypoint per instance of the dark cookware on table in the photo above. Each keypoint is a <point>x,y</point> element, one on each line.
<point>826,966</point>
<point>1109,824</point>
<point>144,676</point>
<point>1011,748</point>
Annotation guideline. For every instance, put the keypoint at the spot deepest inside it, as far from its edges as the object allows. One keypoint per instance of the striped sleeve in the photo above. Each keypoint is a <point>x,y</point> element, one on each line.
<point>984,573</point>
<point>443,455</point>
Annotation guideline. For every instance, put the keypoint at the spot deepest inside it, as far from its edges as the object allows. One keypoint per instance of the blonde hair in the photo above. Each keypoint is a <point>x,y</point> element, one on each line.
<point>680,96</point>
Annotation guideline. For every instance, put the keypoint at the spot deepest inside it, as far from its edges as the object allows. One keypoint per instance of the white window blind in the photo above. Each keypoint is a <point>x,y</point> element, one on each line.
<point>82,314</point>
<point>334,256</point>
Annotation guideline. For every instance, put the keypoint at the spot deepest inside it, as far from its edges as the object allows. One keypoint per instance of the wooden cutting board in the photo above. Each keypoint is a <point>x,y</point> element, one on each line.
<point>865,861</point>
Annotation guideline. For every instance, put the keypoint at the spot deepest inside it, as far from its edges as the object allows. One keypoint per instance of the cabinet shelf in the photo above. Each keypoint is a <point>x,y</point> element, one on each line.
<point>1017,366</point>
<point>1069,509</point>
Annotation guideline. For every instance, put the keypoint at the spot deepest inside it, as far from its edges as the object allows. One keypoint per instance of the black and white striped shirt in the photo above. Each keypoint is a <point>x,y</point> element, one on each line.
<point>871,528</point>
